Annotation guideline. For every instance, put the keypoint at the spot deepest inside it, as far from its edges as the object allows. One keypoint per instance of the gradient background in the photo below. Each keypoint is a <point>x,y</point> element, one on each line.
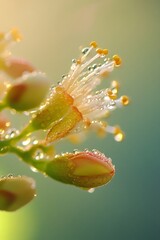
<point>129,207</point>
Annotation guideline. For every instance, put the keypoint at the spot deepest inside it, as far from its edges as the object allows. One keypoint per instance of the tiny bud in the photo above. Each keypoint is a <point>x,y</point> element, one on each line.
<point>83,169</point>
<point>16,67</point>
<point>28,91</point>
<point>15,192</point>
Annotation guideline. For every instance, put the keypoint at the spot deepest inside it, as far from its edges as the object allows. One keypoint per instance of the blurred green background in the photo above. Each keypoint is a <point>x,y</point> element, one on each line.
<point>127,208</point>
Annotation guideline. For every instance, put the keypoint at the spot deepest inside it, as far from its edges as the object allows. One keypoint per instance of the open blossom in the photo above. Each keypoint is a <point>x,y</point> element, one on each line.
<point>74,105</point>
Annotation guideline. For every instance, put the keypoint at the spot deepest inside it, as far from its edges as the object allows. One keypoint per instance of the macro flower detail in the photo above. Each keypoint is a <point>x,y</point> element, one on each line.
<point>74,105</point>
<point>69,110</point>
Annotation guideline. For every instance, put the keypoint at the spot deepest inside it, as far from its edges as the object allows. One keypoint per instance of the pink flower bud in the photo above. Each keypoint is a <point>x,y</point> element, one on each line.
<point>15,192</point>
<point>16,67</point>
<point>84,169</point>
<point>28,91</point>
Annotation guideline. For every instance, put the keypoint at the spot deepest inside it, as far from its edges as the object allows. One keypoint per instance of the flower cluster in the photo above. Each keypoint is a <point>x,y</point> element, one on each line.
<point>73,107</point>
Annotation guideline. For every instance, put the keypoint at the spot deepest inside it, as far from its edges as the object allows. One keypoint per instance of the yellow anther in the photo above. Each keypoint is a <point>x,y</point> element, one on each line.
<point>93,44</point>
<point>117,60</point>
<point>99,51</point>
<point>125,100</point>
<point>16,35</point>
<point>118,134</point>
<point>105,51</point>
<point>111,94</point>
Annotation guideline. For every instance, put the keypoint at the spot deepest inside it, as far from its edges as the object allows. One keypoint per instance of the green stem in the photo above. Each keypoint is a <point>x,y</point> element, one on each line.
<point>3,105</point>
<point>12,141</point>
<point>26,156</point>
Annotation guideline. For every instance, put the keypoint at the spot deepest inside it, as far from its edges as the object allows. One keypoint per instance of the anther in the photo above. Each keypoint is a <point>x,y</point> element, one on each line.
<point>105,51</point>
<point>99,51</point>
<point>125,100</point>
<point>118,134</point>
<point>117,60</point>
<point>93,44</point>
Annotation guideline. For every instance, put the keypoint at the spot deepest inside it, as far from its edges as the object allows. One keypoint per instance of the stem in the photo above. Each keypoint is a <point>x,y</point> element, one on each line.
<point>3,105</point>
<point>12,141</point>
<point>26,156</point>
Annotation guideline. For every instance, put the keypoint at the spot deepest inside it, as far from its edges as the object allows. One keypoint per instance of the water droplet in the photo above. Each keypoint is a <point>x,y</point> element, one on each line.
<point>26,113</point>
<point>111,105</point>
<point>74,60</point>
<point>91,190</point>
<point>10,175</point>
<point>33,169</point>
<point>119,137</point>
<point>26,142</point>
<point>11,133</point>
<point>90,68</point>
<point>64,76</point>
<point>86,150</point>
<point>85,50</point>
<point>39,154</point>
<point>35,142</point>
<point>4,150</point>
<point>75,151</point>
<point>94,66</point>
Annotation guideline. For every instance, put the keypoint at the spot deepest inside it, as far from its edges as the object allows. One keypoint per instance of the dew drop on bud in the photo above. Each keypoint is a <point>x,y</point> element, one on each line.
<point>91,190</point>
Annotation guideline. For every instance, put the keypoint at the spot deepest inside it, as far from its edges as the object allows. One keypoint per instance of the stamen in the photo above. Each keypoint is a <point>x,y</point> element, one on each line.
<point>117,132</point>
<point>93,44</point>
<point>117,60</point>
<point>125,100</point>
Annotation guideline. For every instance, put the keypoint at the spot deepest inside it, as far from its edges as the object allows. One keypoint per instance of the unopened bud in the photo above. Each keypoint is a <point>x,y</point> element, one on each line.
<point>28,91</point>
<point>84,169</point>
<point>16,67</point>
<point>15,192</point>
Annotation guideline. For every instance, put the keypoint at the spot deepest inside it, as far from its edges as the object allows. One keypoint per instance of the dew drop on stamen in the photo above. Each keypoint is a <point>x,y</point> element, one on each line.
<point>119,137</point>
<point>111,105</point>
<point>85,50</point>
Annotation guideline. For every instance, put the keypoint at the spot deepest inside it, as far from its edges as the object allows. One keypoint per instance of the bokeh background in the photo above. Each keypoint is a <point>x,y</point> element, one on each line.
<point>128,208</point>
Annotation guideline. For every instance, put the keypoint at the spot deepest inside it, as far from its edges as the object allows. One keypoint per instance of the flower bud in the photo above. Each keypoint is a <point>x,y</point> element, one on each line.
<point>15,192</point>
<point>83,169</point>
<point>16,67</point>
<point>28,91</point>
